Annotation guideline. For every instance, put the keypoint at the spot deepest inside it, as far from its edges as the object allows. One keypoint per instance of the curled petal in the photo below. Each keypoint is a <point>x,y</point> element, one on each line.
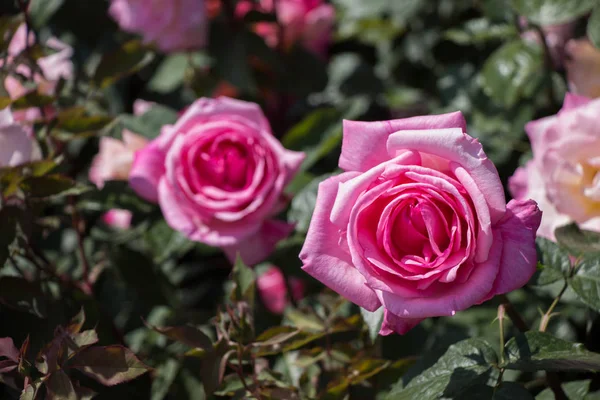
<point>326,259</point>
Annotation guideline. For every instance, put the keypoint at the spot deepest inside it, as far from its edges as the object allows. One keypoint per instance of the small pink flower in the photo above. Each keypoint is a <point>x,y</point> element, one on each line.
<point>418,222</point>
<point>172,25</point>
<point>115,158</point>
<point>218,175</point>
<point>583,68</point>
<point>16,145</point>
<point>273,290</point>
<point>309,22</point>
<point>563,175</point>
<point>118,218</point>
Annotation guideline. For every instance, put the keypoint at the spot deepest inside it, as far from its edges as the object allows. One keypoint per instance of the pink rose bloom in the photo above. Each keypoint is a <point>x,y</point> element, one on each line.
<point>418,222</point>
<point>583,68</point>
<point>218,175</point>
<point>307,21</point>
<point>172,25</point>
<point>113,162</point>
<point>118,218</point>
<point>273,290</point>
<point>53,67</point>
<point>16,145</point>
<point>115,158</point>
<point>563,175</point>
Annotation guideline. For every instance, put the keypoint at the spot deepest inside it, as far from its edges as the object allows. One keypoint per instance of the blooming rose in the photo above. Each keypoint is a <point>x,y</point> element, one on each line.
<point>307,21</point>
<point>171,24</point>
<point>583,68</point>
<point>418,223</point>
<point>563,175</point>
<point>113,162</point>
<point>53,67</point>
<point>273,290</point>
<point>218,175</point>
<point>16,145</point>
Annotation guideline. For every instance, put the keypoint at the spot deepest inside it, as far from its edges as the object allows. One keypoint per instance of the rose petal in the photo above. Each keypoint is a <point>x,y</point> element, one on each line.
<point>325,258</point>
<point>146,171</point>
<point>364,144</point>
<point>455,145</point>
<point>519,258</point>
<point>395,324</point>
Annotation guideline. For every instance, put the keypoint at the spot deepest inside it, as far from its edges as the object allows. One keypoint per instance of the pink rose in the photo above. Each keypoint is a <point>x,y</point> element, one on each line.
<point>118,218</point>
<point>171,24</point>
<point>583,68</point>
<point>16,145</point>
<point>218,175</point>
<point>563,175</point>
<point>307,21</point>
<point>115,158</point>
<point>273,290</point>
<point>53,67</point>
<point>418,223</point>
<point>113,162</point>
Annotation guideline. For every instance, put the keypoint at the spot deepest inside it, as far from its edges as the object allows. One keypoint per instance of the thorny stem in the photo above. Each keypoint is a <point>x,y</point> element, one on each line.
<point>552,378</point>
<point>501,313</point>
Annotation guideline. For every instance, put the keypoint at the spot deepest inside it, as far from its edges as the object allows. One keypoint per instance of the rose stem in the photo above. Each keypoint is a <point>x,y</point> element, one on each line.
<point>552,378</point>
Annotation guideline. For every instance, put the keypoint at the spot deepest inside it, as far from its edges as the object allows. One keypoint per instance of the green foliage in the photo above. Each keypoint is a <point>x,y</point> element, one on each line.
<point>593,27</point>
<point>550,12</point>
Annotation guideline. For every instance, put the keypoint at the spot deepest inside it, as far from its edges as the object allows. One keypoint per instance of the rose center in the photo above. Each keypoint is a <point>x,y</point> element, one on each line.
<point>224,164</point>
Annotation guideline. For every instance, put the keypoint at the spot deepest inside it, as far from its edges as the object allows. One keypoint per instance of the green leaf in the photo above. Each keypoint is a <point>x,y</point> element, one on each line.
<point>304,72</point>
<point>244,279</point>
<point>586,282</point>
<point>109,365</point>
<point>506,391</point>
<point>187,335</point>
<point>465,364</point>
<point>114,194</point>
<point>552,12</point>
<point>555,263</point>
<point>126,60</point>
<point>303,204</point>
<point>76,120</point>
<point>32,99</point>
<point>164,377</point>
<point>59,387</point>
<point>50,187</point>
<point>41,11</point>
<point>170,73</point>
<point>513,72</point>
<point>535,351</point>
<point>577,241</point>
<point>593,27</point>
<point>373,320</point>
<point>22,295</point>
<point>151,122</point>
<point>574,390</point>
<point>479,31</point>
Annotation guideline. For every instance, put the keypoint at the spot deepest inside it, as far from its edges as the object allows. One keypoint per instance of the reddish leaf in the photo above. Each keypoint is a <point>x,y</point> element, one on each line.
<point>23,352</point>
<point>77,322</point>
<point>109,365</point>
<point>59,387</point>
<point>7,366</point>
<point>8,349</point>
<point>187,335</point>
